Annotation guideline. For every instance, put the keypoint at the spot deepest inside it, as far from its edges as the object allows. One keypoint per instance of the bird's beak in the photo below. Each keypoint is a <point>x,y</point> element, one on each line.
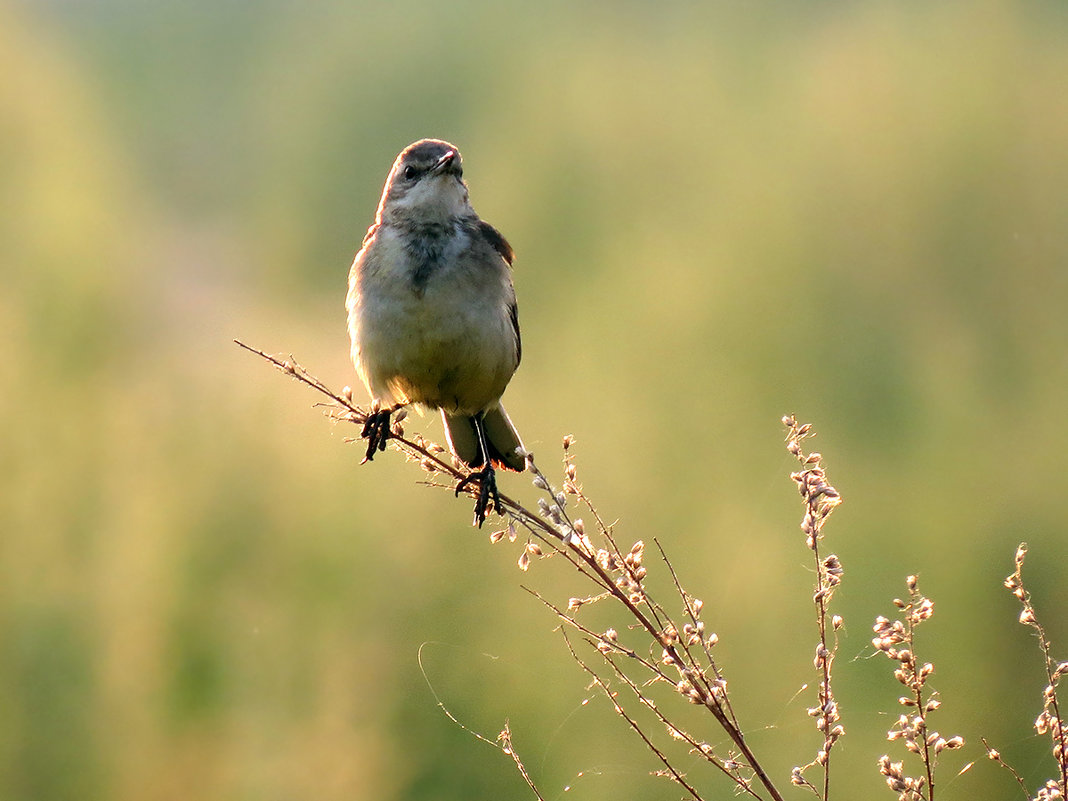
<point>444,162</point>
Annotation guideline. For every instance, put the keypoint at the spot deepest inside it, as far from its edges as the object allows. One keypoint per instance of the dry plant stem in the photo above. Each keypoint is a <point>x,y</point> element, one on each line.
<point>728,709</point>
<point>820,499</point>
<point>897,641</point>
<point>675,775</point>
<point>352,413</point>
<point>928,763</point>
<point>505,740</point>
<point>702,749</point>
<point>655,623</point>
<point>1050,720</point>
<point>565,538</point>
<point>707,697</point>
<point>825,663</point>
<point>599,641</point>
<point>917,694</point>
<point>995,756</point>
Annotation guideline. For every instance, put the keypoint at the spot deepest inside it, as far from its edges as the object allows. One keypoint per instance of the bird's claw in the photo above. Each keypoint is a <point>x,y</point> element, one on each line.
<point>376,432</point>
<point>487,499</point>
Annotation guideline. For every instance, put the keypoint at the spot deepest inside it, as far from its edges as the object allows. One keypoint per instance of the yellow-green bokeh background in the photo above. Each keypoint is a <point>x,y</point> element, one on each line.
<point>723,212</point>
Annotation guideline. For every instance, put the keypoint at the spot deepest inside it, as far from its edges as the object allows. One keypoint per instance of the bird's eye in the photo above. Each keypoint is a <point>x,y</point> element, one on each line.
<point>409,172</point>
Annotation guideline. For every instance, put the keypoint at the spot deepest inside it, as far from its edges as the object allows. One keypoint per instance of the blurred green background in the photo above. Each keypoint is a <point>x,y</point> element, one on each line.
<point>723,212</point>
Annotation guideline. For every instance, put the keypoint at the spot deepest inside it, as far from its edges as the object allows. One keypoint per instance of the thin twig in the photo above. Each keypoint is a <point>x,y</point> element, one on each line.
<point>1050,719</point>
<point>995,756</point>
<point>701,748</point>
<point>820,500</point>
<point>694,621</point>
<point>678,777</point>
<point>505,739</point>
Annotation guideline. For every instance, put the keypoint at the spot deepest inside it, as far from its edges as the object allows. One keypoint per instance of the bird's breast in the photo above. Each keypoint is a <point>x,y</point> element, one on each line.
<point>430,322</point>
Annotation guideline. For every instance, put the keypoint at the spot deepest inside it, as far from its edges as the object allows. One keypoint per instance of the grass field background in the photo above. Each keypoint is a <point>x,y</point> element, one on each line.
<point>722,213</point>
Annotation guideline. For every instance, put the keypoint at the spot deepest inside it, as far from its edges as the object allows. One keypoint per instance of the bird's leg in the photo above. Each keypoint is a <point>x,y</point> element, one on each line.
<point>376,431</point>
<point>488,498</point>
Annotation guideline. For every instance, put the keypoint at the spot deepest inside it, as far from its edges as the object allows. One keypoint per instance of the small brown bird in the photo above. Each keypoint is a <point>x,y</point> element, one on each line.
<point>432,315</point>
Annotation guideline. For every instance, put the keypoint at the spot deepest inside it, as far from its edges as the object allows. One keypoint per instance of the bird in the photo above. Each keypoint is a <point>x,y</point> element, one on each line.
<point>432,316</point>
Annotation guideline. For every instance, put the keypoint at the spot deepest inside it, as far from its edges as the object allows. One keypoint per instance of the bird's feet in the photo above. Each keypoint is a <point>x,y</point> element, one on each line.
<point>487,499</point>
<point>376,432</point>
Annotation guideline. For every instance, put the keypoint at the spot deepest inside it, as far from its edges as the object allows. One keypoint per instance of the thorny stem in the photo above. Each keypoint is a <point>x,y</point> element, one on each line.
<point>572,549</point>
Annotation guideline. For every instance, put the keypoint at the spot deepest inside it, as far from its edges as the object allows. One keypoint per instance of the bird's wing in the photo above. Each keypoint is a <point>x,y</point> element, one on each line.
<point>500,244</point>
<point>495,238</point>
<point>513,312</point>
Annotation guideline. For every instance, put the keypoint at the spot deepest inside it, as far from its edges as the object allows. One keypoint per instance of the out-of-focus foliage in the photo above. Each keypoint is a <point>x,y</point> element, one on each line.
<point>723,212</point>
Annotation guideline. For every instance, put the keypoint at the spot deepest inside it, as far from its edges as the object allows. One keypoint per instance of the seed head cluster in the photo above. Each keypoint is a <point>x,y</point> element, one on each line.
<point>896,639</point>
<point>1050,720</point>
<point>820,499</point>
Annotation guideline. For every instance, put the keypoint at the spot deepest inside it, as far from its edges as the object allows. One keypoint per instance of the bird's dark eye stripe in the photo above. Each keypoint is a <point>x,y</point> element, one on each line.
<point>409,172</point>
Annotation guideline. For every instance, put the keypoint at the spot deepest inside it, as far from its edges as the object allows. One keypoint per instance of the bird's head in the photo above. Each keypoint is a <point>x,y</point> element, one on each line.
<point>426,184</point>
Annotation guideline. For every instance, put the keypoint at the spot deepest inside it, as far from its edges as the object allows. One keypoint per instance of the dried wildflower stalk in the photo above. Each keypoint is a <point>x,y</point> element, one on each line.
<point>820,499</point>
<point>504,741</point>
<point>995,756</point>
<point>685,665</point>
<point>896,639</point>
<point>1049,720</point>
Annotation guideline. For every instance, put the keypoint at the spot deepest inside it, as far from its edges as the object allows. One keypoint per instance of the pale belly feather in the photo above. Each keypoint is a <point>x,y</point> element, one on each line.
<point>450,346</point>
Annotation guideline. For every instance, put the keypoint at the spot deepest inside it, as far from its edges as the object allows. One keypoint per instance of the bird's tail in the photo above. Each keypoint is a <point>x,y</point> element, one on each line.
<point>501,437</point>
